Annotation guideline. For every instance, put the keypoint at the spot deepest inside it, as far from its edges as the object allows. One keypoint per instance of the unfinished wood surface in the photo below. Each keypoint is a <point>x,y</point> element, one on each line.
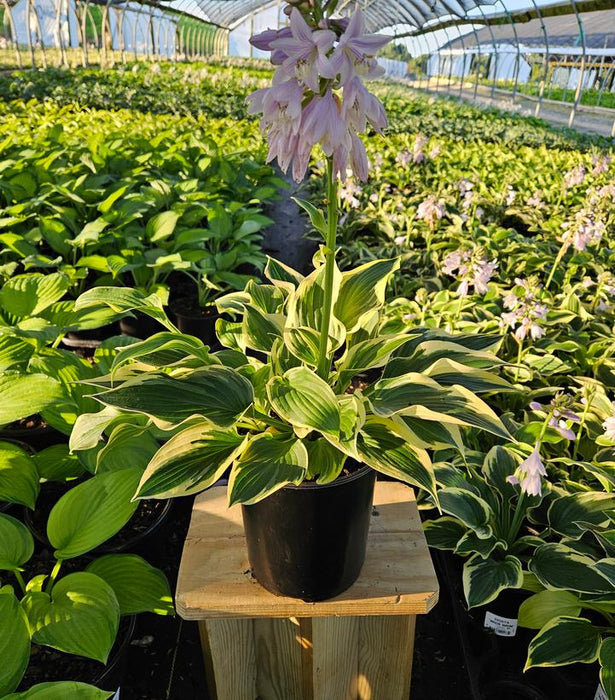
<point>230,658</point>
<point>397,579</point>
<point>335,658</point>
<point>279,650</point>
<point>385,651</point>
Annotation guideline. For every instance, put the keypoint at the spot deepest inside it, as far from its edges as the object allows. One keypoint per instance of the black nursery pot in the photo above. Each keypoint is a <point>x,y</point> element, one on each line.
<point>309,541</point>
<point>140,326</point>
<point>201,323</point>
<point>37,438</point>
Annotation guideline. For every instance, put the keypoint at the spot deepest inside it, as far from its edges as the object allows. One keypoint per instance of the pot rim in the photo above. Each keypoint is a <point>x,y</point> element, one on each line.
<point>362,471</point>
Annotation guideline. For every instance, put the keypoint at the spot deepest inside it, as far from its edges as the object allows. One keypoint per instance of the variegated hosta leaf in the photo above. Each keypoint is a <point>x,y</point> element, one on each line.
<point>380,446</point>
<point>448,373</point>
<point>163,350</point>
<point>365,355</point>
<point>472,510</point>
<point>568,513</point>
<point>266,297</point>
<point>282,276</point>
<point>444,533</point>
<point>268,463</point>
<point>607,666</point>
<point>305,304</point>
<point>558,566</point>
<point>428,352</point>
<point>261,329</point>
<point>304,344</point>
<point>325,461</point>
<point>484,579</point>
<point>429,434</point>
<point>418,396</point>
<point>362,290</point>
<point>306,401</point>
<point>217,393</point>
<point>564,640</point>
<point>192,460</point>
<point>122,299</point>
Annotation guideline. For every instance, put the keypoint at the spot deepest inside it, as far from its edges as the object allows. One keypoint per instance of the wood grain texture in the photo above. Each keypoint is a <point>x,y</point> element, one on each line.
<point>278,645</point>
<point>335,657</point>
<point>385,651</point>
<point>229,651</point>
<point>397,579</point>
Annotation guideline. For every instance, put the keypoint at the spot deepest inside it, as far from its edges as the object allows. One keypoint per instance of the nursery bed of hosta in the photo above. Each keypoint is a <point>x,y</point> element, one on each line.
<point>154,182</point>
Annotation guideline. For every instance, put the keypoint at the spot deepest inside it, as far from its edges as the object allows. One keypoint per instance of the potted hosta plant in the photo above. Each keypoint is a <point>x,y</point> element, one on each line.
<point>307,398</point>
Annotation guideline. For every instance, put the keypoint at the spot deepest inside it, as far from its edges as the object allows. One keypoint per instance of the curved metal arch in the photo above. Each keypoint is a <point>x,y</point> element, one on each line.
<point>579,88</point>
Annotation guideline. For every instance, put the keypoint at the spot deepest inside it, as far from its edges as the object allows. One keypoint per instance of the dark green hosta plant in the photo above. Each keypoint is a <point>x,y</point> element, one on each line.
<point>486,521</point>
<point>574,604</point>
<point>79,612</point>
<point>262,406</point>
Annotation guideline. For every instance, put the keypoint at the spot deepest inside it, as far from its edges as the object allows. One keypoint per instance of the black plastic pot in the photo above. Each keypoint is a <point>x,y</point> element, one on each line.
<point>201,324</point>
<point>37,438</point>
<point>140,326</point>
<point>309,541</point>
<point>86,342</point>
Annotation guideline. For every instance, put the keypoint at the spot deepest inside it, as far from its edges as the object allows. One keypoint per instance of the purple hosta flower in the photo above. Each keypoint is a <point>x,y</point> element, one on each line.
<point>373,198</point>
<point>574,177</point>
<point>304,107</point>
<point>435,151</point>
<point>404,158</point>
<point>606,192</point>
<point>601,164</point>
<point>378,161</point>
<point>535,200</point>
<point>559,414</point>
<point>431,210</point>
<point>348,194</point>
<point>525,311</point>
<point>468,199</point>
<point>399,240</point>
<point>584,231</point>
<point>609,427</point>
<point>529,474</point>
<point>465,186</point>
<point>510,195</point>
<point>418,154</point>
<point>472,268</point>
<point>355,51</point>
<point>479,213</point>
<point>306,52</point>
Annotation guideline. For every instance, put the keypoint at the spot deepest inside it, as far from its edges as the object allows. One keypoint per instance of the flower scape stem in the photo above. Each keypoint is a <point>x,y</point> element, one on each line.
<point>324,361</point>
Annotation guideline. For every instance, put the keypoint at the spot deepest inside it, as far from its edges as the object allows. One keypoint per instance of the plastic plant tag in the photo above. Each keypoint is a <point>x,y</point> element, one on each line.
<point>600,694</point>
<point>501,626</point>
<point>117,695</point>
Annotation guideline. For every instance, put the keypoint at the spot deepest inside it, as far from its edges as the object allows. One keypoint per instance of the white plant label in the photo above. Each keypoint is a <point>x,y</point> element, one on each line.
<point>501,626</point>
<point>117,695</point>
<point>600,694</point>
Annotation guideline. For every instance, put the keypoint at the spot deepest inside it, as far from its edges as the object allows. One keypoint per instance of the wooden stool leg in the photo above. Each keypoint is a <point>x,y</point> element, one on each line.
<point>386,648</point>
<point>230,659</point>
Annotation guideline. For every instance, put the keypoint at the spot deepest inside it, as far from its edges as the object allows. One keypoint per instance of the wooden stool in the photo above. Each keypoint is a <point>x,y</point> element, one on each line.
<point>358,645</point>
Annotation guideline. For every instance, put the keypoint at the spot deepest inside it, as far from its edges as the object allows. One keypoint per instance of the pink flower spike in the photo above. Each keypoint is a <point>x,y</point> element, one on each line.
<point>306,50</point>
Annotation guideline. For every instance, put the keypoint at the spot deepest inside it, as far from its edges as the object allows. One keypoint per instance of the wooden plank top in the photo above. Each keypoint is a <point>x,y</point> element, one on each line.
<point>398,577</point>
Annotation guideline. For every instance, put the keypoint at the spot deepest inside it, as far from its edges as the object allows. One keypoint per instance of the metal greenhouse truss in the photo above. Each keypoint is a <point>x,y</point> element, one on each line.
<point>549,58</point>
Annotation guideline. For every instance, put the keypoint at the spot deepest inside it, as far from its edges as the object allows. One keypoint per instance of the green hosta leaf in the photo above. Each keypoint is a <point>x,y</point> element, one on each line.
<point>305,400</point>
<point>484,579</point>
<point>55,463</point>
<point>192,460</point>
<point>469,508</point>
<point>19,480</point>
<point>92,512</point>
<point>161,226</point>
<point>80,617</point>
<point>122,299</point>
<point>593,507</point>
<point>564,640</point>
<point>325,461</point>
<point>558,566</point>
<point>138,586</point>
<point>14,642</point>
<point>430,434</point>
<point>268,463</point>
<point>217,393</point>
<point>61,690</point>
<point>607,666</point>
<point>261,329</point>
<point>383,449</point>
<point>316,215</point>
<point>537,611</point>
<point>499,464</point>
<point>23,395</point>
<point>362,291</point>
<point>444,533</point>
<point>16,543</point>
<point>28,295</point>
<point>14,353</point>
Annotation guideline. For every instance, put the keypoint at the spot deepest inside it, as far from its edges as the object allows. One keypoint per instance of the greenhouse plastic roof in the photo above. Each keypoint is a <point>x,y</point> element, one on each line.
<point>379,13</point>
